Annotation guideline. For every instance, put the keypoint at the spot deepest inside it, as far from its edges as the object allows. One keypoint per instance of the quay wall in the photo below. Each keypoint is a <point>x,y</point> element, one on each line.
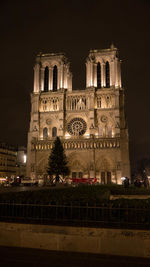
<point>120,242</point>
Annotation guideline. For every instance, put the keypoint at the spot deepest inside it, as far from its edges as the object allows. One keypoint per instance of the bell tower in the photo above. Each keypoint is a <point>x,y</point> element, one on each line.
<point>103,68</point>
<point>51,73</point>
<point>52,79</point>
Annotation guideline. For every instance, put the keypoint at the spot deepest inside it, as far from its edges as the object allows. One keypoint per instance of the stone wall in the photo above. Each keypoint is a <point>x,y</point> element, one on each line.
<point>77,239</point>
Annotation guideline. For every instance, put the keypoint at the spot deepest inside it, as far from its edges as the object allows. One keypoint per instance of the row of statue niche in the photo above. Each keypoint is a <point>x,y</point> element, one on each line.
<point>80,103</point>
<point>105,130</point>
<point>50,104</point>
<point>76,102</point>
<point>104,101</point>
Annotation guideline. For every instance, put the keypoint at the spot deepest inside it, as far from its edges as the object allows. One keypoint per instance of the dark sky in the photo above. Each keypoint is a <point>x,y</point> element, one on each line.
<point>74,27</point>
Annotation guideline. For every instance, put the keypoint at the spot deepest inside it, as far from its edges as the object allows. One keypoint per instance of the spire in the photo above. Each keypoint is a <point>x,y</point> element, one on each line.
<point>112,46</point>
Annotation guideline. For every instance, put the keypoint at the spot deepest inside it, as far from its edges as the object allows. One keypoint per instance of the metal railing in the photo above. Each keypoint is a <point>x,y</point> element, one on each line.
<point>88,216</point>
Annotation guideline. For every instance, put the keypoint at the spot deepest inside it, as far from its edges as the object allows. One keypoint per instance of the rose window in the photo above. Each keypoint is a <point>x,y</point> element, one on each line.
<point>77,126</point>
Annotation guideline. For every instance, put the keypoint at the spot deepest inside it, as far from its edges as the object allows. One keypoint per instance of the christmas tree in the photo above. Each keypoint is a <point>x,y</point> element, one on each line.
<point>57,162</point>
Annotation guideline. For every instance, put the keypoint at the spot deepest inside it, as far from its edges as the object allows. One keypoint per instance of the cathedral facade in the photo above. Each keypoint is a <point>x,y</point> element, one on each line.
<point>91,123</point>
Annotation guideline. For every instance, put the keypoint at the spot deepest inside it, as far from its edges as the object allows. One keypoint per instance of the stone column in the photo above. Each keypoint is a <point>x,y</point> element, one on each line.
<point>88,74</point>
<point>36,78</point>
<point>116,72</point>
<point>65,77</point>
<point>62,76</point>
<point>111,73</point>
<point>103,75</point>
<point>42,79</point>
<point>60,103</point>
<point>94,74</point>
<point>50,78</point>
<point>58,77</point>
<point>91,74</point>
<point>119,73</point>
<point>71,103</point>
<point>69,82</point>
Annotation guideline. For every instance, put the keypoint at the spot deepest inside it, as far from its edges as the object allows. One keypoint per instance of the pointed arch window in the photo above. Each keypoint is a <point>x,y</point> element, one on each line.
<point>107,75</point>
<point>54,132</point>
<point>55,73</point>
<point>45,133</point>
<point>98,75</point>
<point>46,79</point>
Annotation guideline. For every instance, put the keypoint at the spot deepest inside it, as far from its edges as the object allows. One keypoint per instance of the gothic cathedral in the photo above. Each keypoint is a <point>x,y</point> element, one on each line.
<point>91,123</point>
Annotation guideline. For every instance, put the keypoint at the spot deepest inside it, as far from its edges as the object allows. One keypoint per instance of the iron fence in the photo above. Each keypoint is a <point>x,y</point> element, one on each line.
<point>88,216</point>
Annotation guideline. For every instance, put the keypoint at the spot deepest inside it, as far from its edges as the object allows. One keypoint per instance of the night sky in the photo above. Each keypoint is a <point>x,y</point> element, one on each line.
<point>74,27</point>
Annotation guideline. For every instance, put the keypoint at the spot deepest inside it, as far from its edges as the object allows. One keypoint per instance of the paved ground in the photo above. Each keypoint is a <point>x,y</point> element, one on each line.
<point>24,257</point>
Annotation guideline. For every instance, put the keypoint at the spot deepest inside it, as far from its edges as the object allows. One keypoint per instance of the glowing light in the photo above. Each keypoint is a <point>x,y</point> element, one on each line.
<point>113,133</point>
<point>87,135</point>
<point>24,158</point>
<point>2,179</point>
<point>91,82</point>
<point>67,135</point>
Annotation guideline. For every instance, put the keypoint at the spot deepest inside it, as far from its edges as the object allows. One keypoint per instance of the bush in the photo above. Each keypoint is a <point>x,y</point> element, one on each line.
<point>81,195</point>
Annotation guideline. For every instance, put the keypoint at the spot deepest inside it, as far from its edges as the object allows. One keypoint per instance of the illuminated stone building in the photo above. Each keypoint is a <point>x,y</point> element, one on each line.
<point>8,155</point>
<point>91,122</point>
<point>12,162</point>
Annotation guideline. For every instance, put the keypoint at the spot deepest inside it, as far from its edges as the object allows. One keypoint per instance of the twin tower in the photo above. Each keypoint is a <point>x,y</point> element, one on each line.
<point>52,71</point>
<point>91,122</point>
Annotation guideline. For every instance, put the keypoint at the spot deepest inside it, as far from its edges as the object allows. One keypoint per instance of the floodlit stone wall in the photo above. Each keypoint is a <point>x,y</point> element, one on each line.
<point>91,122</point>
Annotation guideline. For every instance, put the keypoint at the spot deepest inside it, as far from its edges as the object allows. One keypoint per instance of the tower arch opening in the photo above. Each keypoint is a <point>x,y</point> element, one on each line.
<point>107,69</point>
<point>98,75</point>
<point>46,79</point>
<point>55,74</point>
